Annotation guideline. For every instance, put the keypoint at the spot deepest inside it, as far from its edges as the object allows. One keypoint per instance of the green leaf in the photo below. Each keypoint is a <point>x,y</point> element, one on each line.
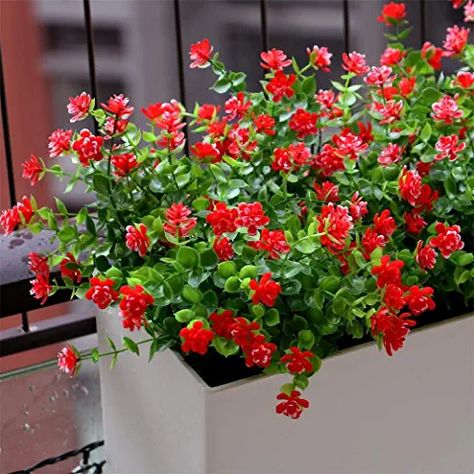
<point>66,234</point>
<point>222,85</point>
<point>425,133</point>
<point>61,207</point>
<point>193,295</point>
<point>306,339</point>
<point>462,258</point>
<point>306,246</point>
<point>131,345</point>
<point>187,257</point>
<point>232,285</point>
<point>184,315</point>
<point>100,184</point>
<point>226,269</point>
<point>272,317</point>
<point>308,86</point>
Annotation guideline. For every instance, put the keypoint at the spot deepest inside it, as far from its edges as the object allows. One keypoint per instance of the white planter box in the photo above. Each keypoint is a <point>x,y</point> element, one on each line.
<point>369,413</point>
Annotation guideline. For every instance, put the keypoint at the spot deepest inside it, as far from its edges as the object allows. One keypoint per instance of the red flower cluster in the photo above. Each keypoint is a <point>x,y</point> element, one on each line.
<point>275,60</point>
<point>392,57</point>
<point>349,144</point>
<point>223,248</point>
<point>293,157</point>
<point>196,338</point>
<point>137,239</point>
<point>355,62</point>
<point>292,405</point>
<point>432,54</point>
<point>456,40</point>
<point>419,195</point>
<point>303,123</point>
<point>448,147</point>
<point>392,13</point>
<point>88,147</point>
<point>298,361</point>
<point>252,216</point>
<point>101,292</point>
<point>392,153</point>
<point>264,124</point>
<point>117,105</point>
<point>133,305</point>
<point>281,86</point>
<point>40,286</point>
<point>447,240</point>
<point>79,106</point>
<point>68,360</point>
<point>446,110</point>
<point>272,241</point>
<point>124,164</point>
<point>59,142</point>
<point>335,222</point>
<point>32,170</point>
<point>265,290</point>
<point>237,106</point>
<point>69,268</point>
<point>425,256</point>
<point>178,222</point>
<point>327,191</point>
<point>10,219</point>
<point>380,76</point>
<point>200,53</point>
<point>222,219</point>
<point>390,111</point>
<point>319,57</point>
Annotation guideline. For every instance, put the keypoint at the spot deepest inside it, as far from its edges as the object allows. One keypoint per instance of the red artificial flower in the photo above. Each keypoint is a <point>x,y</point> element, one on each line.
<point>469,11</point>
<point>200,54</point>
<point>349,144</point>
<point>207,112</point>
<point>101,292</point>
<point>243,332</point>
<point>392,57</point>
<point>464,79</point>
<point>137,239</point>
<point>448,147</point>
<point>264,124</point>
<point>390,111</point>
<point>265,291</point>
<point>407,85</point>
<point>365,132</point>
<point>32,170</point>
<point>25,210</point>
<point>393,328</point>
<point>392,153</point>
<point>325,98</point>
<point>355,62</point>
<point>275,60</point>
<point>9,220</point>
<point>327,191</point>
<point>222,219</point>
<point>117,105</point>
<point>196,338</point>
<point>358,207</point>
<point>371,240</point>
<point>292,405</point>
<point>68,359</point>
<point>456,40</point>
<point>69,268</point>
<point>335,223</point>
<point>379,76</point>
<point>237,106</point>
<point>206,151</point>
<point>426,199</point>
<point>392,13</point>
<point>59,142</point>
<point>252,216</point>
<point>281,86</point>
<point>272,241</point>
<point>113,127</point>
<point>425,256</point>
<point>124,164</point>
<point>239,144</point>
<point>79,106</point>
<point>393,297</point>
<point>432,54</point>
<point>447,240</point>
<point>260,353</point>
<point>222,323</point>
<point>177,221</point>
<point>319,57</point>
<point>457,3</point>
<point>446,110</point>
<point>414,222</point>
<point>40,289</point>
<point>88,147</point>
<point>218,128</point>
<point>298,361</point>
<point>410,186</point>
<point>329,161</point>
<point>419,299</point>
<point>223,248</point>
<point>135,300</point>
<point>423,168</point>
<point>38,264</point>
<point>388,272</point>
<point>384,223</point>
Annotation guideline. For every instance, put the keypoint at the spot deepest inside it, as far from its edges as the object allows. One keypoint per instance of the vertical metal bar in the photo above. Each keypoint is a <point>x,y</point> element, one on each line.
<point>422,21</point>
<point>90,54</point>
<point>179,50</point>
<point>263,25</point>
<point>347,29</point>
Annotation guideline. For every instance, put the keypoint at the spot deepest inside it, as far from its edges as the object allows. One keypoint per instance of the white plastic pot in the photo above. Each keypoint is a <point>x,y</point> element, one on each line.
<point>369,413</point>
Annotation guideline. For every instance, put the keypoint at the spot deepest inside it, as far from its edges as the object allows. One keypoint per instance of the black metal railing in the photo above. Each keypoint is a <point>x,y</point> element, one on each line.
<point>14,286</point>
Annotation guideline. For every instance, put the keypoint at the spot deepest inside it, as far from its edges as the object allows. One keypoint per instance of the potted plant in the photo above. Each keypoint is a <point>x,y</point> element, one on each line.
<point>299,217</point>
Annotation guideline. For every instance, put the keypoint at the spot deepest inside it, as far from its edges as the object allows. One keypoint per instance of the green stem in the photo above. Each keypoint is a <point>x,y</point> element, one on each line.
<point>117,351</point>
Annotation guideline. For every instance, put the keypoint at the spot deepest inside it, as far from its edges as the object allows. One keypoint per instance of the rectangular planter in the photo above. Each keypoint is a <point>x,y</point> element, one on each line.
<point>369,413</point>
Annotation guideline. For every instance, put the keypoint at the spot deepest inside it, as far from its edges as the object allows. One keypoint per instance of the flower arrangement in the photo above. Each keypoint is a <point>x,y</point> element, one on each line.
<point>300,215</point>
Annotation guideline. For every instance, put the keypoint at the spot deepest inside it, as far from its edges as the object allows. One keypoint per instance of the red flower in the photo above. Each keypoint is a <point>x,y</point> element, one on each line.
<point>392,13</point>
<point>425,256</point>
<point>379,76</point>
<point>9,220</point>
<point>325,98</point>
<point>457,3</point>
<point>117,105</point>
<point>237,106</point>
<point>446,110</point>
<point>124,164</point>
<point>38,264</point>
<point>393,297</point>
<point>349,144</point>
<point>390,111</point>
<point>335,222</point>
<point>432,54</point>
<point>196,338</point>
<point>260,352</point>
<point>426,199</point>
<point>264,124</point>
<point>407,85</point>
<point>388,272</point>
<point>252,216</point>
<point>265,291</point>
<point>40,289</point>
<point>223,248</point>
<point>365,132</point>
<point>275,60</point>
<point>177,221</point>
<point>70,268</point>
<point>392,153</point>
<point>393,328</point>
<point>68,359</point>
<point>281,86</point>
<point>243,332</point>
<point>207,112</point>
<point>137,239</point>
<point>112,126</point>
<point>419,299</point>
<point>384,223</point>
<point>448,239</point>
<point>295,156</point>
<point>355,62</point>
<point>222,219</point>
<point>358,207</point>
<point>298,361</point>
<point>320,58</point>
<point>448,147</point>
<point>222,323</point>
<point>33,170</point>
<point>88,147</point>
<point>59,142</point>
<point>292,405</point>
<point>272,241</point>
<point>391,57</point>
<point>371,240</point>
<point>329,161</point>
<point>327,191</point>
<point>414,222</point>
<point>133,305</point>
<point>410,186</point>
<point>25,210</point>
<point>456,40</point>
<point>200,54</point>
<point>101,292</point>
<point>423,168</point>
<point>469,11</point>
<point>79,106</point>
<point>464,79</point>
<point>206,151</point>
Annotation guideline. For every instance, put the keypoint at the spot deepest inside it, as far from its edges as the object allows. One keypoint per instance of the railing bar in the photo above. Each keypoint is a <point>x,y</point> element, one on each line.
<point>422,21</point>
<point>347,29</point>
<point>90,54</point>
<point>6,136</point>
<point>263,25</point>
<point>179,50</point>
<point>25,322</point>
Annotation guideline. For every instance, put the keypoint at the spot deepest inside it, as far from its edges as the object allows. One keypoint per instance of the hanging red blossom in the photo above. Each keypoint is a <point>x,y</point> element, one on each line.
<point>298,361</point>
<point>32,170</point>
<point>392,13</point>
<point>419,299</point>
<point>260,352</point>
<point>59,142</point>
<point>88,147</point>
<point>425,256</point>
<point>456,40</point>
<point>281,86</point>
<point>388,272</point>
<point>200,54</point>
<point>133,305</point>
<point>223,248</point>
<point>355,62</point>
<point>79,107</point>
<point>101,292</point>
<point>124,164</point>
<point>40,289</point>
<point>414,222</point>
<point>275,60</point>
<point>392,153</point>
<point>448,147</point>
<point>243,332</point>
<point>196,338</point>
<point>335,222</point>
<point>327,191</point>
<point>292,405</point>
<point>178,222</point>
<point>38,264</point>
<point>446,110</point>
<point>137,239</point>
<point>265,290</point>
<point>447,240</point>
<point>222,219</point>
<point>252,216</point>
<point>319,57</point>
<point>68,360</point>
<point>384,223</point>
<point>69,268</point>
<point>272,241</point>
